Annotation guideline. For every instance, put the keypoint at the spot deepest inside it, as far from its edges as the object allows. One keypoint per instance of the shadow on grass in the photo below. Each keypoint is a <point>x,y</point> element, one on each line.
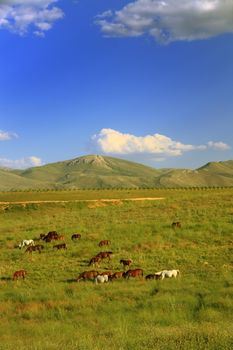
<point>5,278</point>
<point>71,280</point>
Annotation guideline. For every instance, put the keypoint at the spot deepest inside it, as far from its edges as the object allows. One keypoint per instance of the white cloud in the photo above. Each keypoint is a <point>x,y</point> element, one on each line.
<point>170,20</point>
<point>21,163</point>
<point>219,146</point>
<point>6,135</point>
<point>21,15</point>
<point>110,141</point>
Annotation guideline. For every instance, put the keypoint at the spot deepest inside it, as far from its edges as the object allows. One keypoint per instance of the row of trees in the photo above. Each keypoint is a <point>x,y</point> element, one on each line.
<point>194,188</point>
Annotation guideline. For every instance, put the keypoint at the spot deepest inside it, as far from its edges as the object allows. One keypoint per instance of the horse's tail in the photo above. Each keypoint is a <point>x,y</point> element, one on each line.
<point>178,272</point>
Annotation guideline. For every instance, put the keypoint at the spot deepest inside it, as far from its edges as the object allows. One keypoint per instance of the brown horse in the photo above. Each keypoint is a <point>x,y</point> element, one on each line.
<point>176,224</point>
<point>126,262</point>
<point>104,255</point>
<point>133,273</point>
<point>50,236</point>
<point>117,275</point>
<point>87,275</point>
<point>75,236</point>
<point>20,273</point>
<point>59,238</point>
<point>104,242</point>
<point>34,248</point>
<point>108,273</point>
<point>60,246</point>
<point>95,260</point>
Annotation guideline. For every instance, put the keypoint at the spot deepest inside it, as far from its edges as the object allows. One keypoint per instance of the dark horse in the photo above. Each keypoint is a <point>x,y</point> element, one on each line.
<point>75,236</point>
<point>60,246</point>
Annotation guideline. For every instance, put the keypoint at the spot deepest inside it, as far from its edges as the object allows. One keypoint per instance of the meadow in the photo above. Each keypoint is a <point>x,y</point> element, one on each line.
<point>50,310</point>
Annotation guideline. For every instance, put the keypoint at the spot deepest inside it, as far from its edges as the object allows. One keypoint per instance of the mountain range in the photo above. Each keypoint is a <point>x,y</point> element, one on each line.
<point>95,171</point>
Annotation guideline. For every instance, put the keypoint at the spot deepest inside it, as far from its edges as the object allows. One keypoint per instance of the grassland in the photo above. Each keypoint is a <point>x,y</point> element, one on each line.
<point>49,310</point>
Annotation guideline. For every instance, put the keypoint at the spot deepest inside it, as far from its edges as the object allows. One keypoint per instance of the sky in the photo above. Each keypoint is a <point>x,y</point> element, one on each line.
<point>145,80</point>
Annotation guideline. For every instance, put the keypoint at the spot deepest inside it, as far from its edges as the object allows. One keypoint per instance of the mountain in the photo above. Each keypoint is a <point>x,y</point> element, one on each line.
<point>10,180</point>
<point>96,171</point>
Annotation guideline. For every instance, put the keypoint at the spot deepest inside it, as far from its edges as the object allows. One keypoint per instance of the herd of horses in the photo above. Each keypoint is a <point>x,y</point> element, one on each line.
<point>95,261</point>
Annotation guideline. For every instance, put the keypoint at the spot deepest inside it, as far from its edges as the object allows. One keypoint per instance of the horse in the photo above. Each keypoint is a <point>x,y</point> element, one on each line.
<point>59,238</point>
<point>104,242</point>
<point>95,260</point>
<point>101,279</point>
<point>50,235</point>
<point>26,242</point>
<point>116,275</point>
<point>75,236</point>
<point>169,274</point>
<point>133,273</point>
<point>108,273</point>
<point>104,255</point>
<point>20,273</point>
<point>60,246</point>
<point>126,262</point>
<point>153,276</point>
<point>31,249</point>
<point>87,275</point>
<point>176,224</point>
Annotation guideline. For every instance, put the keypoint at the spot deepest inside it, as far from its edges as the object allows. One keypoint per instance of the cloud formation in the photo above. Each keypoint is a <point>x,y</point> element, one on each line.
<point>169,20</point>
<point>6,135</point>
<point>20,16</point>
<point>110,141</point>
<point>22,163</point>
<point>218,146</point>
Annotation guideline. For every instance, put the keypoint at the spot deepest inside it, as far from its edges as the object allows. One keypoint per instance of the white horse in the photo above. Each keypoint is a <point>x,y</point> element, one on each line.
<point>26,242</point>
<point>101,279</point>
<point>169,273</point>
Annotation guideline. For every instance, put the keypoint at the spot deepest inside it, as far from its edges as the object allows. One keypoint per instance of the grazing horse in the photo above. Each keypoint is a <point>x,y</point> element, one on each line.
<point>20,273</point>
<point>153,276</point>
<point>87,275</point>
<point>126,262</point>
<point>59,238</point>
<point>50,235</point>
<point>95,260</point>
<point>133,273</point>
<point>169,274</point>
<point>108,273</point>
<point>60,246</point>
<point>101,279</point>
<point>176,224</point>
<point>116,275</point>
<point>31,249</point>
<point>75,236</point>
<point>104,242</point>
<point>104,255</point>
<point>26,242</point>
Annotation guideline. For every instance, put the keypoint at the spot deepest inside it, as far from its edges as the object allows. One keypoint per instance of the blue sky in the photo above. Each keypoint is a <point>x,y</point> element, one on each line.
<point>145,80</point>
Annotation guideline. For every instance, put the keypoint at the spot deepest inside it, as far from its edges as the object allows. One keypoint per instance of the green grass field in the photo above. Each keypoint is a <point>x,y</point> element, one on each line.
<point>48,310</point>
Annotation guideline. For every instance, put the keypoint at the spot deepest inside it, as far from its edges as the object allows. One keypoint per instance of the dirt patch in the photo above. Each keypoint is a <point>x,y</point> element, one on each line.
<point>101,203</point>
<point>114,200</point>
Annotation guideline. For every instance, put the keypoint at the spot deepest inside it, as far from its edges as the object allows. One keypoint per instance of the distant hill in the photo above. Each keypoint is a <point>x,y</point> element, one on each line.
<point>94,171</point>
